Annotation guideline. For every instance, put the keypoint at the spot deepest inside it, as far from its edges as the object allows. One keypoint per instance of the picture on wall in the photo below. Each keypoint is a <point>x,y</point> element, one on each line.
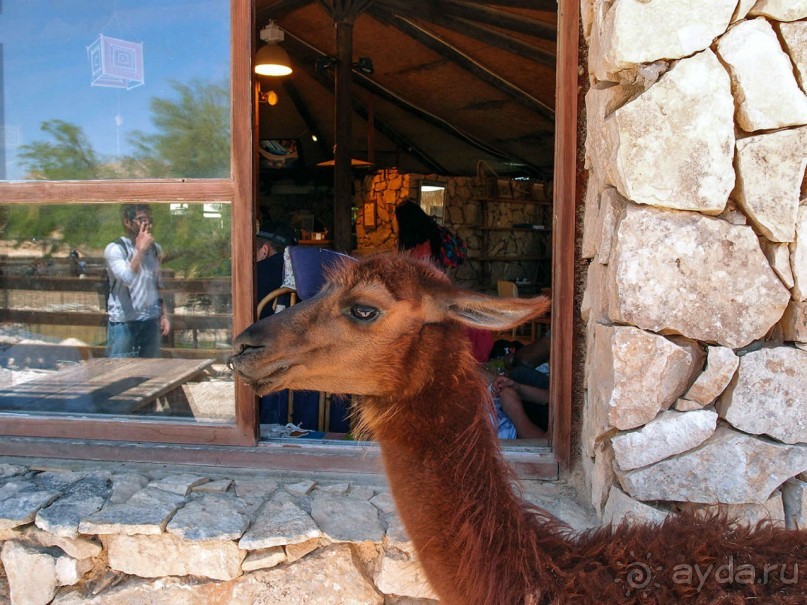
<point>279,154</point>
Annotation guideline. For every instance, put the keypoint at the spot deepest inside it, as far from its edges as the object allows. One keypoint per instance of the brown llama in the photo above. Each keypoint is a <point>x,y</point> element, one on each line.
<point>391,330</point>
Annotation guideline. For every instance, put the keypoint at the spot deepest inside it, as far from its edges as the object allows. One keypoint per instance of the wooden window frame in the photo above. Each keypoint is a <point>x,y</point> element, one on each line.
<point>237,445</point>
<point>564,205</point>
<point>237,191</point>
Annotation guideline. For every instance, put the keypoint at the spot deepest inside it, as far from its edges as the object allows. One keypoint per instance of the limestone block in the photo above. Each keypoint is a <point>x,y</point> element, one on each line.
<point>126,485</point>
<point>168,555</point>
<point>180,483</point>
<point>210,517</point>
<point>602,99</point>
<point>770,168</point>
<point>780,10</point>
<point>19,505</point>
<point>778,255</point>
<point>220,486</point>
<point>668,434</point>
<point>794,36</point>
<point>612,205</point>
<point>632,33</point>
<point>396,537</point>
<point>621,508</point>
<point>78,548</point>
<point>34,573</point>
<point>147,512</point>
<point>12,470</point>
<point>347,520</point>
<point>762,78</point>
<point>31,573</point>
<point>335,489</point>
<point>685,405</point>
<point>383,501</point>
<point>278,524</point>
<point>733,214</point>
<point>686,165</point>
<point>301,488</point>
<point>401,574</point>
<point>729,467</point>
<point>600,476</point>
<point>297,551</point>
<point>263,558</point>
<point>743,8</point>
<point>327,578</point>
<point>681,272</point>
<point>588,247</point>
<point>84,497</point>
<point>635,375</point>
<point>769,395</point>
<point>794,322</point>
<point>749,514</point>
<point>794,495</point>
<point>361,492</point>
<point>594,306</point>
<point>721,363</point>
<point>798,256</point>
<point>332,567</point>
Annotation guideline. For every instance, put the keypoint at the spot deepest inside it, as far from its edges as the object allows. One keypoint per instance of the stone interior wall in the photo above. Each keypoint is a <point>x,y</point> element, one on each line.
<point>696,235</point>
<point>471,204</point>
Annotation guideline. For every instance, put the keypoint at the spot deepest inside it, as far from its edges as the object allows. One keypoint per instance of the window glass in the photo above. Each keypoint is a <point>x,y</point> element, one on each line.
<point>114,89</point>
<point>81,316</point>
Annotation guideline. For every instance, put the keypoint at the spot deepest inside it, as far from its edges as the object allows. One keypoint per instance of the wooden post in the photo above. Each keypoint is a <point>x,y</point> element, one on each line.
<point>342,194</point>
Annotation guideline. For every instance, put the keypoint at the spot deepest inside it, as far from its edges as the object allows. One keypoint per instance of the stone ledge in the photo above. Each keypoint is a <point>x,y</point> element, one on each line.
<point>163,535</point>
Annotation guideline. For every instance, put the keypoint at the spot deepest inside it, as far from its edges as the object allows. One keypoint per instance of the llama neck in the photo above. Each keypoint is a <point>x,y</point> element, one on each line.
<point>473,535</point>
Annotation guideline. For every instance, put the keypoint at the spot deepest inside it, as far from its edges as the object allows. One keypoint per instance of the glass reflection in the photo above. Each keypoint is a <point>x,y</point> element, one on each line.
<point>114,89</point>
<point>60,312</point>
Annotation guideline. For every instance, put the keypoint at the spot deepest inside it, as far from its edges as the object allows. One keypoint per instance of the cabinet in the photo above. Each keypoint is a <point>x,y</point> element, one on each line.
<point>515,242</point>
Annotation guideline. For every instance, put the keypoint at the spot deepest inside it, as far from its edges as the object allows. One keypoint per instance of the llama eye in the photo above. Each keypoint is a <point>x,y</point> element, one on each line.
<point>363,312</point>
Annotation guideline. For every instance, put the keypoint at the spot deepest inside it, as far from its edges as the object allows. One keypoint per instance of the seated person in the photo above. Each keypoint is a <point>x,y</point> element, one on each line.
<point>271,240</point>
<point>526,407</point>
<point>523,396</point>
<point>530,363</point>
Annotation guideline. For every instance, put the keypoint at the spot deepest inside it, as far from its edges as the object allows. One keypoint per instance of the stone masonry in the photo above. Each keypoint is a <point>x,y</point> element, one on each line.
<point>168,536</point>
<point>695,232</point>
<point>485,227</point>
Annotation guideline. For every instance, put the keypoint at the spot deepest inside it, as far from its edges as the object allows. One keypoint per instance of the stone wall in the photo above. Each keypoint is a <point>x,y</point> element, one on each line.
<point>152,534</point>
<point>469,215</point>
<point>696,234</point>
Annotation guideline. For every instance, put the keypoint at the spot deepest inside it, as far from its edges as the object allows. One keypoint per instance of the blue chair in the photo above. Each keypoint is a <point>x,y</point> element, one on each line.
<point>306,408</point>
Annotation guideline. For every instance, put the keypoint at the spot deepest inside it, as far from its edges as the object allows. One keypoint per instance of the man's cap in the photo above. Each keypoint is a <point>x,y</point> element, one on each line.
<point>277,232</point>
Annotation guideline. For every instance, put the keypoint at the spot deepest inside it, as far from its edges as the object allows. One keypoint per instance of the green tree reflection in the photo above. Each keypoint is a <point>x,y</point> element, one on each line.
<point>192,140</point>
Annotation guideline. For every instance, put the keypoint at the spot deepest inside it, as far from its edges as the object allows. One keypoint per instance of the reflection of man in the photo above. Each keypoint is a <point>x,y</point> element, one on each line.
<point>137,314</point>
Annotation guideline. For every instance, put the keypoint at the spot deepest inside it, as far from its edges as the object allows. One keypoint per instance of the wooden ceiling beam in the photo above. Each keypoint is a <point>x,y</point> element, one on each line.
<point>408,106</point>
<point>305,55</point>
<point>445,126</point>
<point>450,52</point>
<point>474,30</point>
<point>278,9</point>
<point>497,18</point>
<point>310,123</point>
<point>547,6</point>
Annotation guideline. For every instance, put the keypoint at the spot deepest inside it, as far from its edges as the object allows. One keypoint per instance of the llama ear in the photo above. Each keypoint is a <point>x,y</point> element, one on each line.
<point>494,313</point>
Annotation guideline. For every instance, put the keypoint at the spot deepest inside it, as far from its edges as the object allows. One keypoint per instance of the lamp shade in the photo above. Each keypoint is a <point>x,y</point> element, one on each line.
<point>272,60</point>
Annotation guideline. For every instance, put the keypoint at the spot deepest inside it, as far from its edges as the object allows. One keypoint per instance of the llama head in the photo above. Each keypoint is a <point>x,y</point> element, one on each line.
<point>375,322</point>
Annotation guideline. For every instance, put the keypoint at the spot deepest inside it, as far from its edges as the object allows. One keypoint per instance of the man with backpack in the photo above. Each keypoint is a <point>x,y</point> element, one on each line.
<point>137,314</point>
